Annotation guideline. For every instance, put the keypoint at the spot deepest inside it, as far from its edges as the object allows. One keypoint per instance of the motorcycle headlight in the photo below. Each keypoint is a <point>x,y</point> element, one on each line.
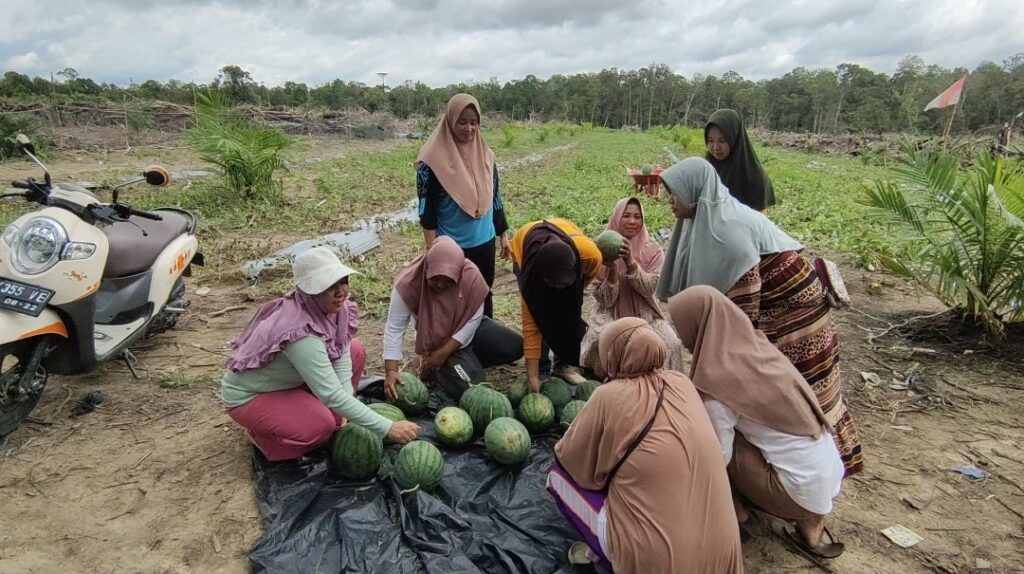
<point>37,246</point>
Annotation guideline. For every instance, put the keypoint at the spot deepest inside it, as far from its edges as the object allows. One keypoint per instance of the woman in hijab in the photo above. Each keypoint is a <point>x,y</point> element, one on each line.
<point>733,157</point>
<point>775,440</point>
<point>639,472</point>
<point>625,286</point>
<point>443,293</point>
<point>457,185</point>
<point>290,381</point>
<point>553,262</point>
<point>719,242</point>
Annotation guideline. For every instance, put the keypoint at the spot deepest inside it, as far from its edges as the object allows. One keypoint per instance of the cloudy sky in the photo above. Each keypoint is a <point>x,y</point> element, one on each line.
<point>449,41</point>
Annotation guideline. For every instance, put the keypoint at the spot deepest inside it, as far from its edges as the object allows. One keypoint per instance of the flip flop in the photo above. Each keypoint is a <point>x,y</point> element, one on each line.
<point>829,550</point>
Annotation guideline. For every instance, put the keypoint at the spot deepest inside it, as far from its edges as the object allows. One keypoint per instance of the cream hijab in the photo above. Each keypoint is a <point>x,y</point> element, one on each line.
<point>465,170</point>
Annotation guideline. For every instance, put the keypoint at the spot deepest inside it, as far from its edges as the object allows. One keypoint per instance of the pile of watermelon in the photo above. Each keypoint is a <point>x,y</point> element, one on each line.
<point>554,403</point>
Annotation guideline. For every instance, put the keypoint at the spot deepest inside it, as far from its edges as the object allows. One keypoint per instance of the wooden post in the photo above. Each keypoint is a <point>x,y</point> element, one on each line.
<point>949,125</point>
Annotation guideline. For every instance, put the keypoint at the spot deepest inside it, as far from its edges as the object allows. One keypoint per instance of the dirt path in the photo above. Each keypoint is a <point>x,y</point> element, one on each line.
<point>158,479</point>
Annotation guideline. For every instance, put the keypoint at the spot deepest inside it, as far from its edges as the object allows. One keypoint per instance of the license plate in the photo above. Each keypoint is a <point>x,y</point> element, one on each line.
<point>22,298</point>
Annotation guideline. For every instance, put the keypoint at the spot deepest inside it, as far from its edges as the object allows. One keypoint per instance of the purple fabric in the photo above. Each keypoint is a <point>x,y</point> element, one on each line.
<point>287,319</point>
<point>595,499</point>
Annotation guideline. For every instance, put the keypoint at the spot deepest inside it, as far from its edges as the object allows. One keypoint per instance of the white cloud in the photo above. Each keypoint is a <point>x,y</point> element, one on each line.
<point>449,41</point>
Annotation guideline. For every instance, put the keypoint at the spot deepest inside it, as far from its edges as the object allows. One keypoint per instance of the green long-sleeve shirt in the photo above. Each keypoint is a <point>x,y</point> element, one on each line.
<point>305,362</point>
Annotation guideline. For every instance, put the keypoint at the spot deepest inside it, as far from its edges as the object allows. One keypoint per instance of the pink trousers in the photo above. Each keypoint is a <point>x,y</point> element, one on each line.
<point>287,424</point>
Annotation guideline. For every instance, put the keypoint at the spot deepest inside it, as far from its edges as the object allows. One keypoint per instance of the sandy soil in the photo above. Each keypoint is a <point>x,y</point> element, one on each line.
<point>158,479</point>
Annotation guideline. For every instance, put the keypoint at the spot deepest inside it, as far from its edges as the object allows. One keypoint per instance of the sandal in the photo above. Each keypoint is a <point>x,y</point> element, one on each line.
<point>580,558</point>
<point>826,550</point>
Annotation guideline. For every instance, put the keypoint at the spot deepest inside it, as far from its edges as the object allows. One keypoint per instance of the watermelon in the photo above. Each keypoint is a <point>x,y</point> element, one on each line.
<point>537,412</point>
<point>646,169</point>
<point>356,452</point>
<point>507,441</point>
<point>388,411</point>
<point>453,426</point>
<point>559,391</point>
<point>608,243</point>
<point>471,395</point>
<point>418,465</point>
<point>517,391</point>
<point>584,390</point>
<point>570,411</point>
<point>488,405</point>
<point>412,394</point>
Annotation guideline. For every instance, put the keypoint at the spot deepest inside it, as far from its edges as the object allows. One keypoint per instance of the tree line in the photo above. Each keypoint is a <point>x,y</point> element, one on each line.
<point>849,98</point>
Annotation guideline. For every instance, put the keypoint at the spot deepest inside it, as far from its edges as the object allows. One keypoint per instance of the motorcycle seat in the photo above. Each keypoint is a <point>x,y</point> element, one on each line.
<point>132,252</point>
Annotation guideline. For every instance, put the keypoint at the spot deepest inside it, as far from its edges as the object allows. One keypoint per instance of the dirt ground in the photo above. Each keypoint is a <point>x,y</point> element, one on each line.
<point>158,478</point>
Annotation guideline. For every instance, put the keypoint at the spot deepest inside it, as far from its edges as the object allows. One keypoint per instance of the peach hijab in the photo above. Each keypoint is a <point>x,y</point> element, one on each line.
<point>465,170</point>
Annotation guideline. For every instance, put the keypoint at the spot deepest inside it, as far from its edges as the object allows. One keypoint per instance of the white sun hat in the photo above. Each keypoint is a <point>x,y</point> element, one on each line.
<point>315,270</point>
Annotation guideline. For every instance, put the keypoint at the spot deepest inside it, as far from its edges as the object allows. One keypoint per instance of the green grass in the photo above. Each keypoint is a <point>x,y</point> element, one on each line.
<point>817,205</point>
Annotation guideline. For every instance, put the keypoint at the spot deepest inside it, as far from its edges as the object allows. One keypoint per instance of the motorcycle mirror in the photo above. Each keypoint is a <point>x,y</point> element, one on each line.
<point>157,176</point>
<point>25,144</point>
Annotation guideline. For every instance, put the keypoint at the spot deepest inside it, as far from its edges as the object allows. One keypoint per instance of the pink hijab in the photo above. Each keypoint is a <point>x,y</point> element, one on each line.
<point>440,314</point>
<point>649,257</point>
<point>465,170</point>
<point>288,319</point>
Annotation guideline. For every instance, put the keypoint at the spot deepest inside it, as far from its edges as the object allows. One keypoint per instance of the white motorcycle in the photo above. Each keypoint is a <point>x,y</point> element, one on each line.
<point>81,280</point>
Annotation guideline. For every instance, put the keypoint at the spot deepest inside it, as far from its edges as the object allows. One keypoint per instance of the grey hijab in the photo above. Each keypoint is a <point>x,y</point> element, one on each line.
<point>722,241</point>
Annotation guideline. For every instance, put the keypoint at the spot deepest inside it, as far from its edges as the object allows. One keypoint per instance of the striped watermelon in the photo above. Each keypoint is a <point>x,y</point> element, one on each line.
<point>356,452</point>
<point>471,394</point>
<point>559,391</point>
<point>507,441</point>
<point>517,391</point>
<point>453,426</point>
<point>571,411</point>
<point>418,465</point>
<point>584,390</point>
<point>412,394</point>
<point>537,412</point>
<point>388,411</point>
<point>486,406</point>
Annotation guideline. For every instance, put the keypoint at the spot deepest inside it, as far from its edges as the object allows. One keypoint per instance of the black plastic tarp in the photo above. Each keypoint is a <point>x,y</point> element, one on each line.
<point>483,517</point>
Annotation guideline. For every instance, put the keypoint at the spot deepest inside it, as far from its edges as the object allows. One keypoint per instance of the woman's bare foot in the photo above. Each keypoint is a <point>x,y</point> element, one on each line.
<point>812,529</point>
<point>742,514</point>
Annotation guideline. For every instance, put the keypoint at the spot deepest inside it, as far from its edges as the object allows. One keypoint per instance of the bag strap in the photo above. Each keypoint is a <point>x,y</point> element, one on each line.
<point>640,437</point>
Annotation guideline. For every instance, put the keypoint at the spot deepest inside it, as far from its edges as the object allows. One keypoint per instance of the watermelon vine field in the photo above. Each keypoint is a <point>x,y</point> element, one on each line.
<point>159,479</point>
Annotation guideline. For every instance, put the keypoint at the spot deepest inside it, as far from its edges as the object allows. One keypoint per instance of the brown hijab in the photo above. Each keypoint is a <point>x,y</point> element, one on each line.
<point>736,365</point>
<point>440,314</point>
<point>648,255</point>
<point>676,471</point>
<point>465,170</point>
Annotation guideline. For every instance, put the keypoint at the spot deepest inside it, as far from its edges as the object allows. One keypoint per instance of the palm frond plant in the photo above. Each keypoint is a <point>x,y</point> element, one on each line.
<point>962,233</point>
<point>245,154</point>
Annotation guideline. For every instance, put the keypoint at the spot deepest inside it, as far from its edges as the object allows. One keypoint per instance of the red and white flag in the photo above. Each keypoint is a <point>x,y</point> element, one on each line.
<point>950,96</point>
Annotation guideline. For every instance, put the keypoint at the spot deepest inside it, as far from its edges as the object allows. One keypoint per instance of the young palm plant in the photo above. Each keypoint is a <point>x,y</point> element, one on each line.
<point>246,155</point>
<point>963,231</point>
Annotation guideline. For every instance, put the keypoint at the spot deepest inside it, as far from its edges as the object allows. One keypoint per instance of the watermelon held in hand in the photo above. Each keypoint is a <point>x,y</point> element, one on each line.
<point>507,441</point>
<point>557,390</point>
<point>356,452</point>
<point>585,390</point>
<point>537,412</point>
<point>608,243</point>
<point>453,426</point>
<point>418,465</point>
<point>571,411</point>
<point>412,394</point>
<point>486,406</point>
<point>517,391</point>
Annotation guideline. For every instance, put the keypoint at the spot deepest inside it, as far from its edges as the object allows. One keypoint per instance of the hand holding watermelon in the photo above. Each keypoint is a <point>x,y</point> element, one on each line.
<point>626,255</point>
<point>390,380</point>
<point>403,432</point>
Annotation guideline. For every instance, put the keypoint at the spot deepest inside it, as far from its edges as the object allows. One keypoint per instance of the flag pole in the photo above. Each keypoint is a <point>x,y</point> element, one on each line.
<point>949,124</point>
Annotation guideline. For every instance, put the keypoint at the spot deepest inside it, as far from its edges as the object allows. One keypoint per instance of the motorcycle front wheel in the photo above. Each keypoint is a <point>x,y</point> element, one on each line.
<point>22,379</point>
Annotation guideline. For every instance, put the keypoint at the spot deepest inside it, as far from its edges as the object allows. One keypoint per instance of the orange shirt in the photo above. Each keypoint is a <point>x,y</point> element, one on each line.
<point>590,264</point>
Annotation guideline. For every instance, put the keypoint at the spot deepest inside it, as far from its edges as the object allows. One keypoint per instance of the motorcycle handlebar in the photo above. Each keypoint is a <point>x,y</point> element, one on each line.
<point>20,185</point>
<point>145,214</point>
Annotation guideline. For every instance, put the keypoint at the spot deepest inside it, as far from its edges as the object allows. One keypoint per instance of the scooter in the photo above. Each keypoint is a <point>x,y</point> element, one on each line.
<point>81,280</point>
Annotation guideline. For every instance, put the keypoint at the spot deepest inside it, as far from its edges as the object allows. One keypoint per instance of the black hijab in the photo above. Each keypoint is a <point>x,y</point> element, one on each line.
<point>741,172</point>
<point>551,283</point>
